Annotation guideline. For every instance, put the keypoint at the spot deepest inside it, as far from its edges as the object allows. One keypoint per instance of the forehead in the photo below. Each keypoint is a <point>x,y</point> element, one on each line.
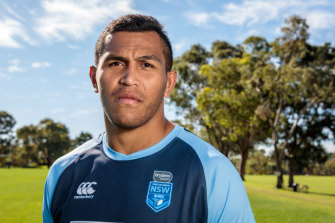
<point>136,42</point>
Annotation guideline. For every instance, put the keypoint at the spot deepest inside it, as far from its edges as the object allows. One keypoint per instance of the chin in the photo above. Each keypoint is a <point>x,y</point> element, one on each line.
<point>128,123</point>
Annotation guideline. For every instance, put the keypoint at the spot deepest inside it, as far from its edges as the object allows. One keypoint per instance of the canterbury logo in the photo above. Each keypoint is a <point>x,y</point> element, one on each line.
<point>85,190</point>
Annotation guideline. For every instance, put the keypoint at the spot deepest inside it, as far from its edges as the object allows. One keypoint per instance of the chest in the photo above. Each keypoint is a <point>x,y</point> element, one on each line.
<point>155,189</point>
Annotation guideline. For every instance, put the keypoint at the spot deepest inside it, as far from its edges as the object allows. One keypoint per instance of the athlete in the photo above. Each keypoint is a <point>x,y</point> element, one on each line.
<point>143,168</point>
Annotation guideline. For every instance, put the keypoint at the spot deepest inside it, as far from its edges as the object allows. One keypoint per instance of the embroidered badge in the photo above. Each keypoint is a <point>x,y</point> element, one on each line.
<point>160,191</point>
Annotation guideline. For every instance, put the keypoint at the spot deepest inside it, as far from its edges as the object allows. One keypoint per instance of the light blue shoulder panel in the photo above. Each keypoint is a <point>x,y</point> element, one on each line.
<point>54,173</point>
<point>226,196</point>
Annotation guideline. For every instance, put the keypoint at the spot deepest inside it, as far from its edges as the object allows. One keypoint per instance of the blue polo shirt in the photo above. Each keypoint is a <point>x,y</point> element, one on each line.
<point>180,179</point>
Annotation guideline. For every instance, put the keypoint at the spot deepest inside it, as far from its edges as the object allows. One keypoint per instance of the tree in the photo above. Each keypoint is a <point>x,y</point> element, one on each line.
<point>82,138</point>
<point>54,140</point>
<point>7,122</point>
<point>259,163</point>
<point>243,94</point>
<point>216,96</point>
<point>28,146</point>
<point>304,79</point>
<point>305,147</point>
<point>190,82</point>
<point>230,99</point>
<point>42,143</point>
<point>330,165</point>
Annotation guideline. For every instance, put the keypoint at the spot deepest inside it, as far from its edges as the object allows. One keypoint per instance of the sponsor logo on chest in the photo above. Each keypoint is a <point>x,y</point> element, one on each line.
<point>160,191</point>
<point>85,190</point>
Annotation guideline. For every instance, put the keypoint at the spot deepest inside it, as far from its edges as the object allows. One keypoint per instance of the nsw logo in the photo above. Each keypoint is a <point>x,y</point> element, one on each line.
<point>85,190</point>
<point>160,191</point>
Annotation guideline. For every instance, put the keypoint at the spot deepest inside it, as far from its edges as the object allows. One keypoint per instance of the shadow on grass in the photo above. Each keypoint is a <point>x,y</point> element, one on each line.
<point>317,193</point>
<point>307,192</point>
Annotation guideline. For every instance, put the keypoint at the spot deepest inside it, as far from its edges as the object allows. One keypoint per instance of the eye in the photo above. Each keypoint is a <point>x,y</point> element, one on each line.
<point>114,64</point>
<point>147,65</point>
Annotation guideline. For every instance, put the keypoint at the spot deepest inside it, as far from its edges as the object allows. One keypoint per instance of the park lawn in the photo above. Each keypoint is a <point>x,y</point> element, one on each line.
<point>271,205</point>
<point>21,192</point>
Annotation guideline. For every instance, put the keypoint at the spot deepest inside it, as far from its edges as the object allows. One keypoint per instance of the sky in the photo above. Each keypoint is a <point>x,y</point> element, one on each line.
<point>47,46</point>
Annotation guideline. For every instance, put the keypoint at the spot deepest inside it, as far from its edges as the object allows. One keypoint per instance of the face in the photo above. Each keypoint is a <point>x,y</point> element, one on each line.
<point>131,79</point>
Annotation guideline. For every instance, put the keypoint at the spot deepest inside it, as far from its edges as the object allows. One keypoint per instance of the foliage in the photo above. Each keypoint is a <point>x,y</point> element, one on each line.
<point>305,82</point>
<point>81,139</point>
<point>229,101</point>
<point>241,95</point>
<point>259,163</point>
<point>219,97</point>
<point>330,165</point>
<point>35,145</point>
<point>27,150</point>
<point>7,122</point>
<point>42,144</point>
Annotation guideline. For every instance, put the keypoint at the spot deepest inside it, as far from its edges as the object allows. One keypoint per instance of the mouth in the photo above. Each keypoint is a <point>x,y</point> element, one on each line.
<point>129,98</point>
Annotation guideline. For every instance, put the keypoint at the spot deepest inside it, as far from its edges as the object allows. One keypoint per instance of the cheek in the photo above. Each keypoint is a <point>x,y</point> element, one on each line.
<point>105,82</point>
<point>105,88</point>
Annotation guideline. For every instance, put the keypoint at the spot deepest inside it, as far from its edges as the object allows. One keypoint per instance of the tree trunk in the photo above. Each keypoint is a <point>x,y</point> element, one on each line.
<point>244,158</point>
<point>290,172</point>
<point>48,162</point>
<point>278,153</point>
<point>280,179</point>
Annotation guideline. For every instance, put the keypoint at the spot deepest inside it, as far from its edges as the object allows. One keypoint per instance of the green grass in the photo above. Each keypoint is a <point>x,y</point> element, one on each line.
<point>271,205</point>
<point>21,192</point>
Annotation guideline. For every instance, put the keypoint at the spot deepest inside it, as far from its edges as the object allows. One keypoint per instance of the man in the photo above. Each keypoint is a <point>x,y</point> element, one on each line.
<point>143,168</point>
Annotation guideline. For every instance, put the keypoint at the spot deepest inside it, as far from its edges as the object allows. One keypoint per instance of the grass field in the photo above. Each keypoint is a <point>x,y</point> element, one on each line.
<point>271,205</point>
<point>21,192</point>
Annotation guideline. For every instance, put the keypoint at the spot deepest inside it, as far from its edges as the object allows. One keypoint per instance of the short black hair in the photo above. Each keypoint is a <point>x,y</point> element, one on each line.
<point>135,23</point>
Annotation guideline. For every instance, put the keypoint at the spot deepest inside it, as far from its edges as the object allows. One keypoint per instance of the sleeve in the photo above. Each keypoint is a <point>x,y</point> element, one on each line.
<point>46,212</point>
<point>226,195</point>
<point>50,185</point>
<point>227,200</point>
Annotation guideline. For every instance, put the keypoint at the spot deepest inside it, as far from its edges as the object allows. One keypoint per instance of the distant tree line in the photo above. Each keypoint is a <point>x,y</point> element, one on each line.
<point>259,163</point>
<point>278,93</point>
<point>35,145</point>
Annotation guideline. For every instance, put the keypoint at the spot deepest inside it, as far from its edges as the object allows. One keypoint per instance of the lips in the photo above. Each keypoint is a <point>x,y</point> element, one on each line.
<point>129,98</point>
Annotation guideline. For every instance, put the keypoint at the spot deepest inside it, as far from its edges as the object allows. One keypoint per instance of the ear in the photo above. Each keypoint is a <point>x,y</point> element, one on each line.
<point>171,82</point>
<point>93,75</point>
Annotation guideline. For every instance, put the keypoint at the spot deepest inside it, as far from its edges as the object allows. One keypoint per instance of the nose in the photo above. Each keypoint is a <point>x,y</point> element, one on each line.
<point>129,77</point>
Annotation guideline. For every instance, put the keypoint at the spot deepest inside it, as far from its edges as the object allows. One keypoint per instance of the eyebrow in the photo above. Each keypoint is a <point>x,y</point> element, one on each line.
<point>114,57</point>
<point>120,58</point>
<point>149,57</point>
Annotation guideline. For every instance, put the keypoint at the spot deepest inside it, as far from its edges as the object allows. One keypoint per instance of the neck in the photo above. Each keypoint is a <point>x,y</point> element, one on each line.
<point>129,141</point>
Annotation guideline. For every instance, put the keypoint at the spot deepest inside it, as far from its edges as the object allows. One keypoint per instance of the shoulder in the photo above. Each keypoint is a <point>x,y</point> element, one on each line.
<point>61,163</point>
<point>209,156</point>
<point>226,196</point>
<point>57,169</point>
